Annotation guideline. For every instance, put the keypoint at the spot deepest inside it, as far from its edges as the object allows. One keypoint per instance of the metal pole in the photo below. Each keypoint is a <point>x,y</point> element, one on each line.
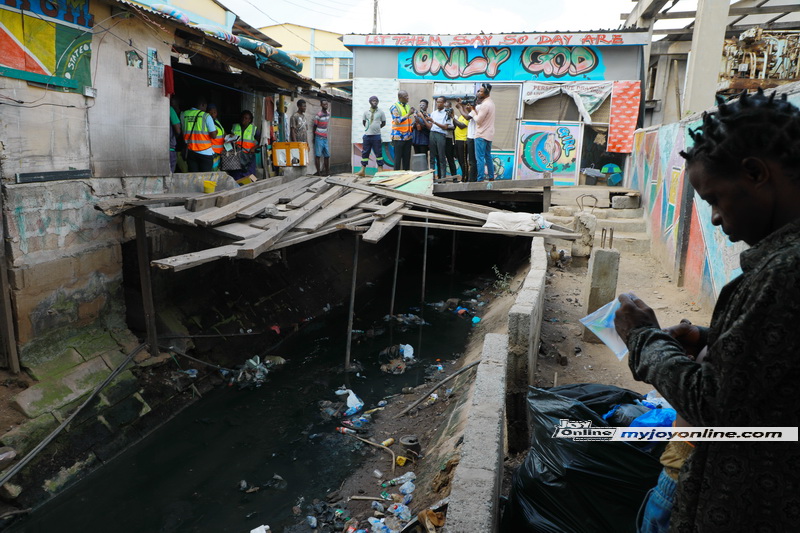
<point>375,17</point>
<point>146,286</point>
<point>352,304</point>
<point>396,266</point>
<point>424,263</point>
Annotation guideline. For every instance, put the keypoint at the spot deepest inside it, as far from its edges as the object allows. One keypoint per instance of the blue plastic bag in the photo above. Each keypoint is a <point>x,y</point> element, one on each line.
<point>655,418</point>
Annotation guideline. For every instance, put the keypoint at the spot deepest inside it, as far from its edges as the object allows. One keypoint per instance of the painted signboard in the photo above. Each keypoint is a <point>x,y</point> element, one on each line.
<point>554,63</point>
<point>503,161</point>
<point>549,150</point>
<point>47,42</point>
<point>501,39</point>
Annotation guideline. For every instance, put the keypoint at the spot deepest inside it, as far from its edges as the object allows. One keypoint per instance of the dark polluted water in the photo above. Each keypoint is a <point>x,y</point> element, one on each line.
<point>185,476</point>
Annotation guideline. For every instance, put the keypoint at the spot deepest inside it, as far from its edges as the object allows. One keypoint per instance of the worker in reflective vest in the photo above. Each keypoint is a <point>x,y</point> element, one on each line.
<point>247,134</point>
<point>217,142</point>
<point>199,131</point>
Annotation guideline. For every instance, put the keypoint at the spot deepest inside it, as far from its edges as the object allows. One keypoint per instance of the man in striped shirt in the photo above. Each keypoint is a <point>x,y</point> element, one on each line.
<point>321,149</point>
<point>402,122</point>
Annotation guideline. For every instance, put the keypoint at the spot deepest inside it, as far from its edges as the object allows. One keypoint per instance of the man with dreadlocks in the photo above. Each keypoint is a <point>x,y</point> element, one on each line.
<point>745,163</point>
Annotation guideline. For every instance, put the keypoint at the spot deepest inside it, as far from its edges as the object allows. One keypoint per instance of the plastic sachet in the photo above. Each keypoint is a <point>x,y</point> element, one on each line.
<point>601,323</point>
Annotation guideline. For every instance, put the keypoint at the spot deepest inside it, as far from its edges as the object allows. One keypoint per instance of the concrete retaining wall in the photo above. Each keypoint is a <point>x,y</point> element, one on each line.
<point>476,484</point>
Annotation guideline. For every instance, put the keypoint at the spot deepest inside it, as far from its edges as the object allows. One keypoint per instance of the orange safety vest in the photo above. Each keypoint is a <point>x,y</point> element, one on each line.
<point>247,140</point>
<point>195,130</point>
<point>219,141</point>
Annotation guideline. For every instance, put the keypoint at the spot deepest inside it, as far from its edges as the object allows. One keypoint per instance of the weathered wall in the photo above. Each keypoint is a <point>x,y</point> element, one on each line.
<point>679,222</point>
<point>128,121</point>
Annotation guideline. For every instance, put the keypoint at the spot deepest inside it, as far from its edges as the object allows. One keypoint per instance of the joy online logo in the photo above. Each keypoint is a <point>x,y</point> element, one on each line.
<point>548,61</point>
<point>582,430</point>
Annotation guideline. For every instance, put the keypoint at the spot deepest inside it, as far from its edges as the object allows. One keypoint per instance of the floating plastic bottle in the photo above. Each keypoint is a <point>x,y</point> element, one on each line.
<point>400,511</point>
<point>312,521</point>
<point>408,476</point>
<point>378,526</point>
<point>407,487</point>
<point>377,473</point>
<point>388,442</point>
<point>378,506</point>
<point>346,431</point>
<point>354,403</point>
<point>432,399</point>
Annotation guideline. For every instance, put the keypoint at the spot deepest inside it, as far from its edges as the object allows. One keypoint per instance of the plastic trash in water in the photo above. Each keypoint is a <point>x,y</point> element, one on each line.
<point>601,323</point>
<point>400,511</point>
<point>407,487</point>
<point>383,403</point>
<point>432,399</point>
<point>656,418</point>
<point>261,529</point>
<point>405,478</point>
<point>377,506</point>
<point>476,319</point>
<point>654,398</point>
<point>407,351</point>
<point>354,403</point>
<point>312,521</point>
<point>378,526</point>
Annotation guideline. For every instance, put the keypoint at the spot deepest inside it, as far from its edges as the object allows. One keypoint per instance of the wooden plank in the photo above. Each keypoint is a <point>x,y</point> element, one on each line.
<point>252,248</point>
<point>497,185</point>
<point>193,259</point>
<point>343,204</point>
<point>222,198</point>
<point>168,213</point>
<point>290,195</point>
<point>309,195</point>
<point>465,209</point>
<point>438,216</point>
<point>380,228</point>
<point>167,196</point>
<point>237,230</point>
<point>390,209</point>
<point>146,286</point>
<point>473,229</point>
<point>229,212</point>
<point>269,203</point>
<point>120,205</point>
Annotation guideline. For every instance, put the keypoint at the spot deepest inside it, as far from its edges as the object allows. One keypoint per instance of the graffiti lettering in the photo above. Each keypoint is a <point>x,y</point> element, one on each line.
<point>456,65</point>
<point>73,11</point>
<point>602,38</point>
<point>559,61</point>
<point>567,140</point>
<point>554,39</point>
<point>504,39</point>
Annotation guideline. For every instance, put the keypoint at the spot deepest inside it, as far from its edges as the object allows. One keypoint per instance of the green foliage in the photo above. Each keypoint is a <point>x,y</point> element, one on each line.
<point>502,283</point>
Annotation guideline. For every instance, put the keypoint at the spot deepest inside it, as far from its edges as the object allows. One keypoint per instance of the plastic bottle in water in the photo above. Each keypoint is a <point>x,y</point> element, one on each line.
<point>407,498</point>
<point>312,521</point>
<point>378,506</point>
<point>346,431</point>
<point>400,511</point>
<point>378,526</point>
<point>407,487</point>
<point>408,476</point>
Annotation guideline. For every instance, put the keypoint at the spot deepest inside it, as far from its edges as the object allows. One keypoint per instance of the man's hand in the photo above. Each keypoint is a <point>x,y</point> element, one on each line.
<point>689,336</point>
<point>633,313</point>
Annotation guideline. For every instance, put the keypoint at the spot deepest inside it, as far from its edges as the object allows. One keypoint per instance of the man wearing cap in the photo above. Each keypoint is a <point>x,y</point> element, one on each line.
<point>373,120</point>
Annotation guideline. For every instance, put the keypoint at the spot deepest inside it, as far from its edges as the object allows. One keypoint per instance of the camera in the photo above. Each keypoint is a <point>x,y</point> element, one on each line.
<point>468,100</point>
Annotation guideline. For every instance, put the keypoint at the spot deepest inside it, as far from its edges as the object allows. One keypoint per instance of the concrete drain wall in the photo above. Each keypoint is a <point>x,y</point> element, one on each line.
<point>507,364</point>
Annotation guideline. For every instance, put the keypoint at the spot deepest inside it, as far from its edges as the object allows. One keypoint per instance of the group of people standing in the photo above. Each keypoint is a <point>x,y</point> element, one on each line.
<point>200,139</point>
<point>463,132</point>
<point>298,132</point>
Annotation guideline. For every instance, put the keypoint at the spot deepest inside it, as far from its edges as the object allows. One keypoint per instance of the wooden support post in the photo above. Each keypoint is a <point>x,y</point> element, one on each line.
<point>396,266</point>
<point>9,341</point>
<point>146,285</point>
<point>424,266</point>
<point>357,237</point>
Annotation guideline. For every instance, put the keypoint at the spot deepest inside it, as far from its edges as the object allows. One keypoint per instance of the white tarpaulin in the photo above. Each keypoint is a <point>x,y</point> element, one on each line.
<point>516,221</point>
<point>588,95</point>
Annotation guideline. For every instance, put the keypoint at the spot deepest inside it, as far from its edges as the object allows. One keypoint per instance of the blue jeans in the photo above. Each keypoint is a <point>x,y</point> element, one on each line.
<point>321,146</point>
<point>657,507</point>
<point>483,157</point>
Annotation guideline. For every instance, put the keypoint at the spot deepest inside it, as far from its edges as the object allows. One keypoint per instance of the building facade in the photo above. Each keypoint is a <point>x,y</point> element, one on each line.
<point>324,57</point>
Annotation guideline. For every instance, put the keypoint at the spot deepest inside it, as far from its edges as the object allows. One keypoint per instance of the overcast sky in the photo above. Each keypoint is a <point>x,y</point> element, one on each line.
<point>439,16</point>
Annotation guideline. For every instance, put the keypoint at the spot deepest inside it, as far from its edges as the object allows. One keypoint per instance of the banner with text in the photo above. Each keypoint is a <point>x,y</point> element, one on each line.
<point>502,63</point>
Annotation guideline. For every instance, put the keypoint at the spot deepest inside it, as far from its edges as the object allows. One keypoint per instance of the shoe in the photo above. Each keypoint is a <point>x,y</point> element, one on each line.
<point>362,173</point>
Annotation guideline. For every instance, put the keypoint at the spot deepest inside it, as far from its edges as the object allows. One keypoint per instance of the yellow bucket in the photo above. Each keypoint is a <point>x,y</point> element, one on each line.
<point>209,186</point>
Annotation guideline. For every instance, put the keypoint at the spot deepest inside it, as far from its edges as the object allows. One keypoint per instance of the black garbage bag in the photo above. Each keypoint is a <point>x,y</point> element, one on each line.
<point>596,396</point>
<point>567,486</point>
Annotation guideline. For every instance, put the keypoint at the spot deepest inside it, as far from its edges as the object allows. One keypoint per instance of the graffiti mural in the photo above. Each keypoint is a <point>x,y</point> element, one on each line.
<point>503,162</point>
<point>47,42</point>
<point>659,172</point>
<point>372,166</point>
<point>548,149</point>
<point>554,63</point>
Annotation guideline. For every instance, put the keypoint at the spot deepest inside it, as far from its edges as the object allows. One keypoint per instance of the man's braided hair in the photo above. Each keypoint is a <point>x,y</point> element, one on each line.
<point>753,125</point>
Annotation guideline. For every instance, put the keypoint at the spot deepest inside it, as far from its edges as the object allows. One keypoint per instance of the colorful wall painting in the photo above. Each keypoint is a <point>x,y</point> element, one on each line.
<point>47,42</point>
<point>549,150</point>
<point>506,63</point>
<point>503,161</point>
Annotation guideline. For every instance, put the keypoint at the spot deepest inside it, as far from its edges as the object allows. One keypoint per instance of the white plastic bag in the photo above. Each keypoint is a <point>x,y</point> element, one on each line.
<point>601,323</point>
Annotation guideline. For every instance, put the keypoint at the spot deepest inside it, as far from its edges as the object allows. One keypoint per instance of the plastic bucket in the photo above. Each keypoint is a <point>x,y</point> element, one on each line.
<point>209,186</point>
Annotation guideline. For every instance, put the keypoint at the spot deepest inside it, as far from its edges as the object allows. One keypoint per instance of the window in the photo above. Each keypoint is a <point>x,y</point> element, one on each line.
<point>345,68</point>
<point>323,68</point>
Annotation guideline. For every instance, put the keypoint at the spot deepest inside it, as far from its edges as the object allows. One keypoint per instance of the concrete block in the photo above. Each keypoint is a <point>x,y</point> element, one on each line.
<point>625,202</point>
<point>519,320</point>
<point>46,397</point>
<point>146,185</point>
<point>93,342</point>
<point>127,340</point>
<point>68,476</point>
<point>9,491</point>
<point>106,260</point>
<point>125,411</point>
<point>53,273</point>
<point>584,224</point>
<point>105,186</point>
<point>113,358</point>
<point>57,367</point>
<point>25,437</point>
<point>124,385</point>
<point>601,283</point>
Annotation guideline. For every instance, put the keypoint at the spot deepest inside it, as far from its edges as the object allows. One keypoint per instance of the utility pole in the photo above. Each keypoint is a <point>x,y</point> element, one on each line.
<point>375,16</point>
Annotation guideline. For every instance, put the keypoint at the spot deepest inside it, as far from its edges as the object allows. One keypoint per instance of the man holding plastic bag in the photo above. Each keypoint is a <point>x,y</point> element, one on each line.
<point>745,163</point>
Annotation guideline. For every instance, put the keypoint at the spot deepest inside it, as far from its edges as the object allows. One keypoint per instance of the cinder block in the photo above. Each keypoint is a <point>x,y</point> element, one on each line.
<point>55,273</point>
<point>56,367</point>
<point>25,437</point>
<point>106,260</point>
<point>601,283</point>
<point>519,318</point>
<point>625,202</point>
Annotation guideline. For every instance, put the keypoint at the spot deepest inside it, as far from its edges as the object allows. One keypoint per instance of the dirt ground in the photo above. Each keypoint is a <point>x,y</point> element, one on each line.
<point>10,386</point>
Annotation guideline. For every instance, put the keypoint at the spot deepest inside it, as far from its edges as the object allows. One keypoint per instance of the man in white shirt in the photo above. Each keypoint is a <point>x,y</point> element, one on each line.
<point>484,134</point>
<point>440,122</point>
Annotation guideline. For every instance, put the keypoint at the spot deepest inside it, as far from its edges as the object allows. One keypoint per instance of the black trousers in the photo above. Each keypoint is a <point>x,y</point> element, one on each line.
<point>473,163</point>
<point>461,154</point>
<point>402,154</point>
<point>438,141</point>
<point>199,162</point>
<point>449,153</point>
